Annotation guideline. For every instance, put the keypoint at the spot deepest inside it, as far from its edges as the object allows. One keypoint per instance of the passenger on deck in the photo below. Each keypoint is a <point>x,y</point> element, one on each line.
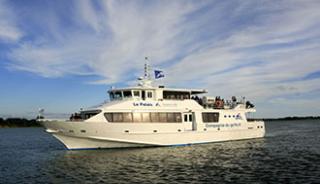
<point>71,117</point>
<point>249,105</point>
<point>234,99</point>
<point>196,98</point>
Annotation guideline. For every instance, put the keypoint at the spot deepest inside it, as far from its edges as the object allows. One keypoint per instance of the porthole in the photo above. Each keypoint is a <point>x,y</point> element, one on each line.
<point>83,131</point>
<point>155,131</point>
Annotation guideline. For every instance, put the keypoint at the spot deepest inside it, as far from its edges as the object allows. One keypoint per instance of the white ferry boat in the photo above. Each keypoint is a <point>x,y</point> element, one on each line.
<point>147,115</point>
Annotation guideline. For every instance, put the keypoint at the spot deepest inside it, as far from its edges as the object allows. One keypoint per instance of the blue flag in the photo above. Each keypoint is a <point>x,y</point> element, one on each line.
<point>158,74</point>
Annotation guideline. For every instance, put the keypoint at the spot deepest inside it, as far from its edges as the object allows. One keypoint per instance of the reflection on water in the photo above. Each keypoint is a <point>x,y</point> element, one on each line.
<point>290,153</point>
<point>164,164</point>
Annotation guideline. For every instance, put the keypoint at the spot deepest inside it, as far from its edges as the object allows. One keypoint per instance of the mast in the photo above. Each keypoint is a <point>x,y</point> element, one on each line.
<point>147,69</point>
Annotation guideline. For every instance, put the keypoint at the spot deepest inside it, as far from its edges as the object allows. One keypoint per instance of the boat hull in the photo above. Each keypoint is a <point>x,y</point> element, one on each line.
<point>103,137</point>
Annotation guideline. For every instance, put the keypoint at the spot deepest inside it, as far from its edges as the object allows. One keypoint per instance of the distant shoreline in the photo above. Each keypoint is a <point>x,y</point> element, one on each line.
<point>18,122</point>
<point>22,122</point>
<point>290,118</point>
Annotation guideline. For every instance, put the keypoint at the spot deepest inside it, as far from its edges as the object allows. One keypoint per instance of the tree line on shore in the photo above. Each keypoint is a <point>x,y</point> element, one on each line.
<point>23,122</point>
<point>18,122</point>
<point>289,118</point>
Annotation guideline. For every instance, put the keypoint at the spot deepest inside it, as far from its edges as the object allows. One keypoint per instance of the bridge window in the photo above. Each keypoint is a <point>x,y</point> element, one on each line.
<point>210,117</point>
<point>136,93</point>
<point>127,94</point>
<point>115,95</point>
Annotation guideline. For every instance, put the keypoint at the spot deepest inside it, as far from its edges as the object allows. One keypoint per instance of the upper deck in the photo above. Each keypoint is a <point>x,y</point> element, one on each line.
<point>153,93</point>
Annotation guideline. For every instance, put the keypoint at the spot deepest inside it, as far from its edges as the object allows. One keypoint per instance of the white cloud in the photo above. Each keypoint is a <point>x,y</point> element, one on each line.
<point>233,48</point>
<point>8,30</point>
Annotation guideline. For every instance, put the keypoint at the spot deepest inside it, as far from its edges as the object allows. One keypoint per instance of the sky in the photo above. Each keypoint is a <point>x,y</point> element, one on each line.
<point>64,55</point>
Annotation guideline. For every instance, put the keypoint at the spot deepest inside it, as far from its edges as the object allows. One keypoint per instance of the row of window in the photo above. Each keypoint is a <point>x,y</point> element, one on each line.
<point>137,117</point>
<point>158,117</point>
<point>175,95</point>
<point>114,95</point>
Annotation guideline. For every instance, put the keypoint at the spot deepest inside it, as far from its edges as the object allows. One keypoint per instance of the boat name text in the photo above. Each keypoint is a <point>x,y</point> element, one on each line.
<point>223,125</point>
<point>146,104</point>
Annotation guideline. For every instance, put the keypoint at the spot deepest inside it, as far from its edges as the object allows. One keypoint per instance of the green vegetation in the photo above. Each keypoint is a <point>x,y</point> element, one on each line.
<point>18,122</point>
<point>289,118</point>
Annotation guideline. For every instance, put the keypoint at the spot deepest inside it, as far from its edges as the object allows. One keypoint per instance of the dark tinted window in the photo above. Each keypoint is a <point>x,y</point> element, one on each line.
<point>178,117</point>
<point>108,117</point>
<point>117,117</point>
<point>154,117</point>
<point>162,117</point>
<point>170,117</point>
<point>175,95</point>
<point>127,117</point>
<point>210,117</point>
<point>127,94</point>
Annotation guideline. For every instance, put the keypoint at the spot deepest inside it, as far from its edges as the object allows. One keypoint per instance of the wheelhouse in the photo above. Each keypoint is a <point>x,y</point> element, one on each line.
<point>123,94</point>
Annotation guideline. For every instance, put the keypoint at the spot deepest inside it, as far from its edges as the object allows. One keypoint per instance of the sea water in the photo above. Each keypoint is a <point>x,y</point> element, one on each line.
<point>290,153</point>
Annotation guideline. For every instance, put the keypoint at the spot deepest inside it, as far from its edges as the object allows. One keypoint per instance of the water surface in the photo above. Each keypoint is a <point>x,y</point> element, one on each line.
<point>290,153</point>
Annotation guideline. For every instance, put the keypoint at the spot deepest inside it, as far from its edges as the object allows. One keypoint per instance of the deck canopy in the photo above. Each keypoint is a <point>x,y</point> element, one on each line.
<point>154,92</point>
<point>180,94</point>
<point>190,91</point>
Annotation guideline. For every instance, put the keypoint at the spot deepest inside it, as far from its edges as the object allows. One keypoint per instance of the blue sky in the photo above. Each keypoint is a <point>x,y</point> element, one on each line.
<point>64,55</point>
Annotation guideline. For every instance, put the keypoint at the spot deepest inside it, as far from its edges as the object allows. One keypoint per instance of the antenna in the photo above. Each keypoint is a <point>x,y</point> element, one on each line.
<point>147,69</point>
<point>146,81</point>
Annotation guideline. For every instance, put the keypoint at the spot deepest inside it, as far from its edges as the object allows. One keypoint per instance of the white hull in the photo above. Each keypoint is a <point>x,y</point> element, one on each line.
<point>104,138</point>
